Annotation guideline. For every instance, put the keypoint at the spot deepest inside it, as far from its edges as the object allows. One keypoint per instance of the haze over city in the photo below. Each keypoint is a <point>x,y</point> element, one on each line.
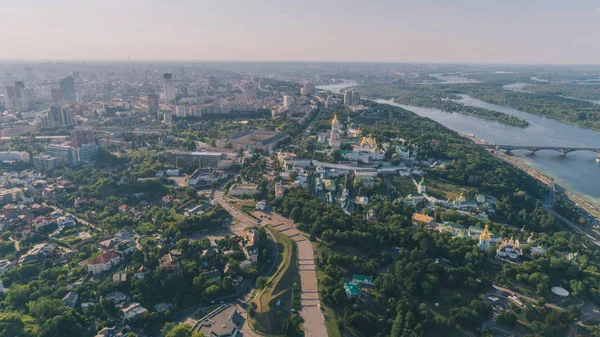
<point>538,32</point>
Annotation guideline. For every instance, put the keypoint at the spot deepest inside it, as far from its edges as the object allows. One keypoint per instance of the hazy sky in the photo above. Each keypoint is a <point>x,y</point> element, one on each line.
<point>488,31</point>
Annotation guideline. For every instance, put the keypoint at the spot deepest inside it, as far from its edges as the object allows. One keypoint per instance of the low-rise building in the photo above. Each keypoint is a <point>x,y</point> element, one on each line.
<point>223,322</point>
<point>239,190</point>
<point>10,195</point>
<point>103,262</point>
<point>45,162</point>
<point>38,252</point>
<point>133,311</point>
<point>70,299</point>
<point>251,252</point>
<point>170,266</point>
<point>14,156</point>
<point>116,297</point>
<point>41,222</point>
<point>352,289</point>
<point>212,275</point>
<point>362,279</point>
<point>203,177</point>
<point>419,218</point>
<point>5,266</point>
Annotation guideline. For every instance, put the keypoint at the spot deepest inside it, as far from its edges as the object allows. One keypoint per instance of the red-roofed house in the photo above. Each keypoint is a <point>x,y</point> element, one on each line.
<point>104,262</point>
<point>40,222</point>
<point>123,208</point>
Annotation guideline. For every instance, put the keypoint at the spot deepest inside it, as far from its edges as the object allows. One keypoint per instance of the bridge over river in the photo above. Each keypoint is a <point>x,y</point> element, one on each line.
<point>563,150</point>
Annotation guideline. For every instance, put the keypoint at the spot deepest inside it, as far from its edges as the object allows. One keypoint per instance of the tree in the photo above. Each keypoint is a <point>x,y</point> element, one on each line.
<point>182,330</point>
<point>45,308</point>
<point>508,318</point>
<point>63,325</point>
<point>11,325</point>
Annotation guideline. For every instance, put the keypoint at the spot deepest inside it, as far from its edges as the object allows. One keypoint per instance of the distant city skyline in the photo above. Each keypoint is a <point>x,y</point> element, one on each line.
<point>462,31</point>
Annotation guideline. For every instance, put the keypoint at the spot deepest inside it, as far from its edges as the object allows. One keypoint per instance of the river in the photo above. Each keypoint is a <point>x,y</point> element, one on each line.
<point>577,171</point>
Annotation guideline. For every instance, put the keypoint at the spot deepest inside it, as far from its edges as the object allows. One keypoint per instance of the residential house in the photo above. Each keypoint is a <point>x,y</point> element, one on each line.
<point>107,332</point>
<point>212,275</point>
<point>251,252</point>
<point>104,262</point>
<point>170,266</point>
<point>38,252</point>
<point>133,311</point>
<point>116,297</point>
<point>41,222</point>
<point>162,307</point>
<point>371,216</point>
<point>70,299</point>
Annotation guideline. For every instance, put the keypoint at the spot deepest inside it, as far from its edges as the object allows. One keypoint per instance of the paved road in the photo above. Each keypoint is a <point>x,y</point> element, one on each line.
<point>82,221</point>
<point>244,219</point>
<point>314,322</point>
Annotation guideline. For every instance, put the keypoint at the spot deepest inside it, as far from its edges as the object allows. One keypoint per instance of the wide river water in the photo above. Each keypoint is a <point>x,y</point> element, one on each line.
<point>578,171</point>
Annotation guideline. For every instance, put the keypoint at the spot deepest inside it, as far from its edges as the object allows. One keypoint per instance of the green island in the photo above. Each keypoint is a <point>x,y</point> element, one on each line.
<point>431,96</point>
<point>548,104</point>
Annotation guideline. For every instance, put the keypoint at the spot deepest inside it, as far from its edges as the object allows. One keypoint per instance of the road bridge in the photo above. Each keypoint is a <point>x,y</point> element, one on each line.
<point>563,150</point>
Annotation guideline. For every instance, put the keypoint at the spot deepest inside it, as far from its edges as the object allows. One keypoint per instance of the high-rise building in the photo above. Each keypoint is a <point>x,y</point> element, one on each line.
<point>288,101</point>
<point>169,89</point>
<point>9,97</point>
<point>67,89</point>
<point>27,100</point>
<point>44,162</point>
<point>58,116</point>
<point>334,134</point>
<point>81,137</point>
<point>19,87</point>
<point>56,95</point>
<point>87,153</point>
<point>150,102</point>
<point>308,89</point>
<point>168,117</point>
<point>64,154</point>
<point>211,82</point>
<point>351,97</point>
<point>181,111</point>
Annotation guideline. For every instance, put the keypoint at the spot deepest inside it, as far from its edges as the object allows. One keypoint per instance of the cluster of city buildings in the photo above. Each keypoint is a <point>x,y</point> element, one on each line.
<point>80,151</point>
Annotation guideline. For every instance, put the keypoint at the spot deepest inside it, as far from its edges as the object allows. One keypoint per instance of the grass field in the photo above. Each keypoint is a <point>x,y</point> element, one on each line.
<point>269,318</point>
<point>442,190</point>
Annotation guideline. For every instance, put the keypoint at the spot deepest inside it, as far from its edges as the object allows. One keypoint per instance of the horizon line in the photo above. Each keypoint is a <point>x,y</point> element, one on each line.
<point>126,60</point>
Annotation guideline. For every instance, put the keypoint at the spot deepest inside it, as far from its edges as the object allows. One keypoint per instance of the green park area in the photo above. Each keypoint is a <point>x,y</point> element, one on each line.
<point>270,311</point>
